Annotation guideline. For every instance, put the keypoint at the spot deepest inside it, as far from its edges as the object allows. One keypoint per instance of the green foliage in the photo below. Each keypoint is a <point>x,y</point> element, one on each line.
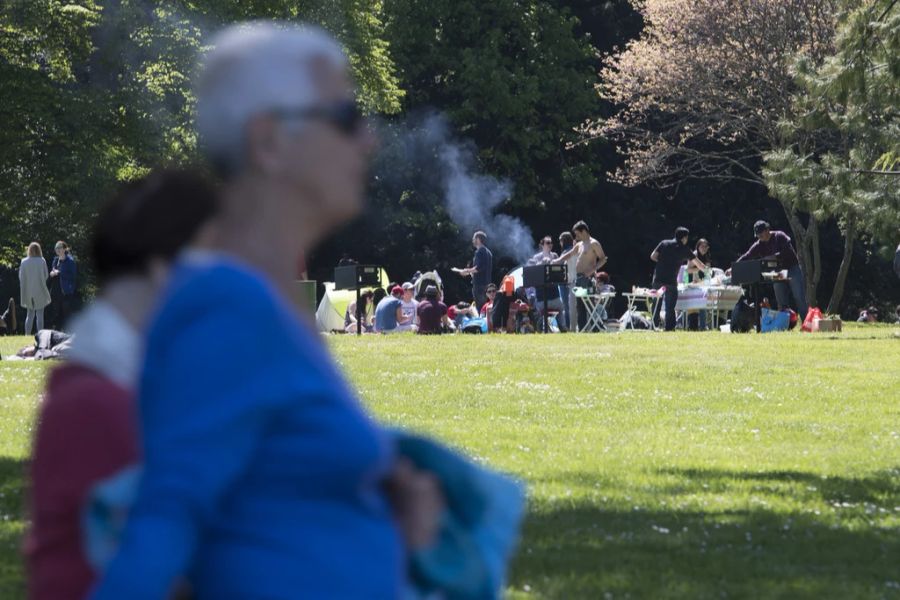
<point>96,92</point>
<point>514,77</point>
<point>845,141</point>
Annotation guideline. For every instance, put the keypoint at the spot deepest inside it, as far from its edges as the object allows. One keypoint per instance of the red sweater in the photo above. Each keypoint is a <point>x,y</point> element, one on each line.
<point>86,432</point>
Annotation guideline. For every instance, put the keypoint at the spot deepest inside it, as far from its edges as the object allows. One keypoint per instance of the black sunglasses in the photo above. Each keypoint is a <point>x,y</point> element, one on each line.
<point>344,116</point>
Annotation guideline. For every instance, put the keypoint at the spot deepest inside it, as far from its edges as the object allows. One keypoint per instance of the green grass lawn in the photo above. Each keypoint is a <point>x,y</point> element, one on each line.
<point>658,465</point>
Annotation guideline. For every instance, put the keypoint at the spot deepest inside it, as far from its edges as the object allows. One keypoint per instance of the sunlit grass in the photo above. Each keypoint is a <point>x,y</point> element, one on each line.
<point>671,465</point>
<point>658,465</point>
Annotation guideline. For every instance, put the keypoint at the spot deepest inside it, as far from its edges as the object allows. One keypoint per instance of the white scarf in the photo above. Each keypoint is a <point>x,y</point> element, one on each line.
<point>104,341</point>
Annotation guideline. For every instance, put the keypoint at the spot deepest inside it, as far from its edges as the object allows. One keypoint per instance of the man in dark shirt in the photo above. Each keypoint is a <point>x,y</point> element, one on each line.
<point>481,270</point>
<point>778,244</point>
<point>432,312</point>
<point>669,255</point>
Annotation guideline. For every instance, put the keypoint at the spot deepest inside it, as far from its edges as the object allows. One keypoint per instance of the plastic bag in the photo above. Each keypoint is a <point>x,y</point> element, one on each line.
<point>774,320</point>
<point>811,322</point>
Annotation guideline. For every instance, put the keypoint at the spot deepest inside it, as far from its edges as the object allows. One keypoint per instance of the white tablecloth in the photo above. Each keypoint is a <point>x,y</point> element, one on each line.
<point>713,297</point>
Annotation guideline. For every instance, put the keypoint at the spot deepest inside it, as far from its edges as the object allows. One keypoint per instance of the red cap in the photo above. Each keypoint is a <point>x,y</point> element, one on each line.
<point>396,291</point>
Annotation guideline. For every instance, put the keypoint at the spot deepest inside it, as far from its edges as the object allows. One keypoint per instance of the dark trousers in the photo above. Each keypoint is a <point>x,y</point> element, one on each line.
<point>671,299</point>
<point>479,293</point>
<point>66,308</point>
<point>585,282</point>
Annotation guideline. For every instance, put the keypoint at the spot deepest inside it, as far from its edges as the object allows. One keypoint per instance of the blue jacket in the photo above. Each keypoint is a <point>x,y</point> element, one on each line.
<point>262,474</point>
<point>67,273</point>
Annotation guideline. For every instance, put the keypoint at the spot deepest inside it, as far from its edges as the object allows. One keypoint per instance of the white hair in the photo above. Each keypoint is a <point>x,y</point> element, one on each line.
<point>252,69</point>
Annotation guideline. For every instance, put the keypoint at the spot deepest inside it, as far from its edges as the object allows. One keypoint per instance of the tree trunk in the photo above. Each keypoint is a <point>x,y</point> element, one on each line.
<point>812,283</point>
<point>807,251</point>
<point>837,294</point>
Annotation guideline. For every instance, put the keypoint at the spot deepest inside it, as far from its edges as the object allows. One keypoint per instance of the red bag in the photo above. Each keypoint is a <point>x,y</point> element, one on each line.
<point>794,318</point>
<point>811,322</point>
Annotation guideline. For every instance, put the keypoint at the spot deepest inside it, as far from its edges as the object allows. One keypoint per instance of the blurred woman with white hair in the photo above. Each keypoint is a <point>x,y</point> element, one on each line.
<point>263,475</point>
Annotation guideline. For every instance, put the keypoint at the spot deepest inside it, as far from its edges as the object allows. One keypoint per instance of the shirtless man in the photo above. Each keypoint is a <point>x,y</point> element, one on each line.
<point>590,258</point>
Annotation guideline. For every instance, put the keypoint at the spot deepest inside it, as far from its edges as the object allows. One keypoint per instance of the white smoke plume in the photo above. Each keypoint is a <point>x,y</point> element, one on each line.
<point>471,198</point>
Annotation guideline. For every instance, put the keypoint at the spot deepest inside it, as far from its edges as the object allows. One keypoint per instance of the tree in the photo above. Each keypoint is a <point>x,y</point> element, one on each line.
<point>513,77</point>
<point>701,94</point>
<point>98,91</point>
<point>849,107</point>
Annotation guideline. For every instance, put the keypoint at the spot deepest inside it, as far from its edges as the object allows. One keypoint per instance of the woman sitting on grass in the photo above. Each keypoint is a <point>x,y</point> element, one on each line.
<point>86,429</point>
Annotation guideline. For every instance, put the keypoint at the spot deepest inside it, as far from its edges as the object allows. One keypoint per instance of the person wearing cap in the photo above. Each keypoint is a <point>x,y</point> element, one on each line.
<point>409,306</point>
<point>432,313</point>
<point>776,243</point>
<point>389,312</point>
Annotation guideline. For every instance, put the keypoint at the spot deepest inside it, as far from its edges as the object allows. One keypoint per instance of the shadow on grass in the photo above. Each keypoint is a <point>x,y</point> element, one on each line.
<point>875,488</point>
<point>587,550</point>
<point>12,517</point>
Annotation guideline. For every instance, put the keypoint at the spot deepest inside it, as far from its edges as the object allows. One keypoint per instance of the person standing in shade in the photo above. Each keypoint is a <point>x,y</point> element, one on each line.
<point>778,244</point>
<point>65,270</point>
<point>669,255</point>
<point>481,270</point>
<point>34,296</point>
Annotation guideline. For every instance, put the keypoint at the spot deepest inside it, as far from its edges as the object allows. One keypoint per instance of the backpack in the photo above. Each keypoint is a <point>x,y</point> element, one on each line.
<point>746,320</point>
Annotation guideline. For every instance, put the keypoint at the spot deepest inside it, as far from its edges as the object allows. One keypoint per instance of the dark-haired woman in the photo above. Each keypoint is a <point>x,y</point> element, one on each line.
<point>361,312</point>
<point>701,252</point>
<point>86,429</point>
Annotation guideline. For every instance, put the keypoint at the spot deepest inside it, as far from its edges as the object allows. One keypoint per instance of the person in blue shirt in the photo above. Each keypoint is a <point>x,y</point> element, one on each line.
<point>65,271</point>
<point>389,312</point>
<point>263,476</point>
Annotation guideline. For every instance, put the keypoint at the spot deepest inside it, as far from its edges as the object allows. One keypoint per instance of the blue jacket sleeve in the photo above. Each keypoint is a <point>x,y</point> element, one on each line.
<point>67,272</point>
<point>208,389</point>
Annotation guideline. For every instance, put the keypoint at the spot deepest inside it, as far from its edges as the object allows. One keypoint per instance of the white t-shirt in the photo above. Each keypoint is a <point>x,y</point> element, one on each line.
<point>408,309</point>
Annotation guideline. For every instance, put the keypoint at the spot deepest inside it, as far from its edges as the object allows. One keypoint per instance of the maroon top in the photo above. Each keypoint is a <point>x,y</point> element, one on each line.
<point>85,433</point>
<point>431,313</point>
<point>779,245</point>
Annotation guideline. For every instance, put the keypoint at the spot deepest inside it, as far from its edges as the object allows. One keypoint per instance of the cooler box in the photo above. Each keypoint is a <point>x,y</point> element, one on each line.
<point>830,325</point>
